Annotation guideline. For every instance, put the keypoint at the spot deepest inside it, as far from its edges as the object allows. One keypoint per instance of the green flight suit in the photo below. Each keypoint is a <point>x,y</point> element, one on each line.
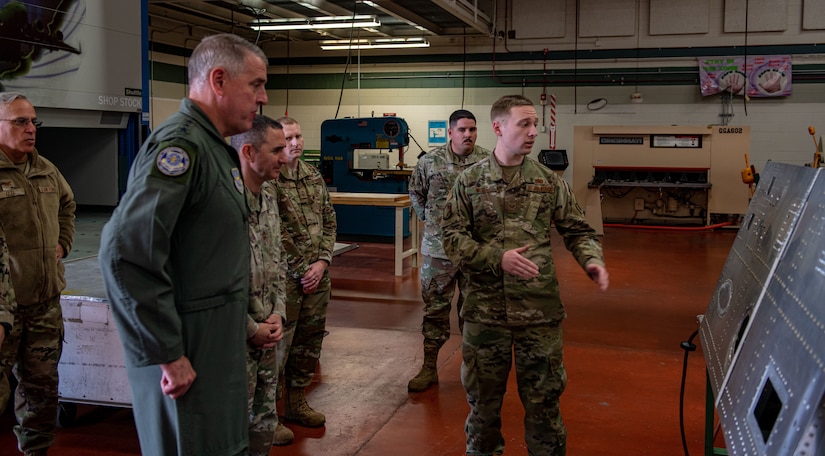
<point>175,261</point>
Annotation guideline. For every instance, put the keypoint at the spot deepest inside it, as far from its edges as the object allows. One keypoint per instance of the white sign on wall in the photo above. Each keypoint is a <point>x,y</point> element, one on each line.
<point>437,133</point>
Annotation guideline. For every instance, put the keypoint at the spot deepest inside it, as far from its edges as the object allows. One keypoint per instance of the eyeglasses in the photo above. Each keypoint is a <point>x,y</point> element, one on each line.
<point>22,122</point>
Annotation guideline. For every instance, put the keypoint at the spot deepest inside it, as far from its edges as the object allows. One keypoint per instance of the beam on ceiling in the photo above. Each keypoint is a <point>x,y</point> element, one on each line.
<point>324,7</point>
<point>469,14</point>
<point>403,14</point>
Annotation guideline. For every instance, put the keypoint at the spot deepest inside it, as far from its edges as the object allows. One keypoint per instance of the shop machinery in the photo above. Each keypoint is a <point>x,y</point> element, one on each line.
<point>366,155</point>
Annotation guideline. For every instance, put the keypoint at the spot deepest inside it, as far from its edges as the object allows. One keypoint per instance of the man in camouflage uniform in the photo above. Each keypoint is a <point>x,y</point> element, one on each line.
<point>496,227</point>
<point>432,179</point>
<point>37,214</point>
<point>262,151</point>
<point>7,303</point>
<point>308,228</point>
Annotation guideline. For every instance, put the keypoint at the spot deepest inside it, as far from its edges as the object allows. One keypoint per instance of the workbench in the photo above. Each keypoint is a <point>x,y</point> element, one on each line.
<point>399,202</point>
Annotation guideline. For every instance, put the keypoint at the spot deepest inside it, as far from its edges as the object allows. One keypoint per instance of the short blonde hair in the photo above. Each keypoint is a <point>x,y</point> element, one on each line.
<point>501,107</point>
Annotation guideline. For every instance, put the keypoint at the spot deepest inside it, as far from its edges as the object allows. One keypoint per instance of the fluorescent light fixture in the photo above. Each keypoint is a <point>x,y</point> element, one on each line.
<point>378,43</point>
<point>314,23</point>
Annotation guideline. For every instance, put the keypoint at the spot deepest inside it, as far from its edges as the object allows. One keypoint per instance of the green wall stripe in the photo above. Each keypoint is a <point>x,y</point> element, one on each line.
<point>802,74</point>
<point>534,56</point>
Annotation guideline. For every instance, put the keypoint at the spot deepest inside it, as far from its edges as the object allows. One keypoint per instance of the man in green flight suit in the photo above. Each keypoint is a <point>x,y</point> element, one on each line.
<point>496,227</point>
<point>175,261</point>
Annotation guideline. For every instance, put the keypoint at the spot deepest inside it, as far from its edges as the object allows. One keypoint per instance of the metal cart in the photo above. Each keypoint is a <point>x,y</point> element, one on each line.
<point>92,368</point>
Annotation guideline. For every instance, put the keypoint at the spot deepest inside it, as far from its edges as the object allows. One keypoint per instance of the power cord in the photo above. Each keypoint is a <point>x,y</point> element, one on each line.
<point>688,346</point>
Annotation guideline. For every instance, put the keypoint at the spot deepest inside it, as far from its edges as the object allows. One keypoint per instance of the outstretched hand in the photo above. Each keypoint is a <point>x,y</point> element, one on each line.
<point>598,274</point>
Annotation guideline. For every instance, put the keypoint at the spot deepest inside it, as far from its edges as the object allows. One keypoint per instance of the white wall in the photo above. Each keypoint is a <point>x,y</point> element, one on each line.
<point>779,125</point>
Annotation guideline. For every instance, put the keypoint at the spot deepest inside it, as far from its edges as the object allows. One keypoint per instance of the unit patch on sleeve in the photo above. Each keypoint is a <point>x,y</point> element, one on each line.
<point>172,161</point>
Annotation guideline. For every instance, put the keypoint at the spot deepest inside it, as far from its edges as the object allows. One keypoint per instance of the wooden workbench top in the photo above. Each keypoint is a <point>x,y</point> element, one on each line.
<point>370,199</point>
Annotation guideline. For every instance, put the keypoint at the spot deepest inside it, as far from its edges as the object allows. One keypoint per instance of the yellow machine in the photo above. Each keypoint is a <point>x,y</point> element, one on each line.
<point>660,175</point>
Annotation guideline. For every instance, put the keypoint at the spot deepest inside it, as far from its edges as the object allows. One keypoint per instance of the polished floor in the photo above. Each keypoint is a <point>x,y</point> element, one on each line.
<point>622,354</point>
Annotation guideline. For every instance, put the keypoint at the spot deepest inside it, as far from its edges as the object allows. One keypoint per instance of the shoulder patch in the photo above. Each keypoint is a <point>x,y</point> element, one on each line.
<point>172,161</point>
<point>238,179</point>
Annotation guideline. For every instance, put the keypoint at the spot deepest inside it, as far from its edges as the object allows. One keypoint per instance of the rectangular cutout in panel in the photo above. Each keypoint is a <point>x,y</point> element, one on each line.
<point>600,18</point>
<point>545,19</point>
<point>813,14</point>
<point>767,409</point>
<point>763,15</point>
<point>772,401</point>
<point>781,195</point>
<point>694,17</point>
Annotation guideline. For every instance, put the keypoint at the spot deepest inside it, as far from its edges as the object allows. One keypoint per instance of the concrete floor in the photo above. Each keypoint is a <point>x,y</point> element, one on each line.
<point>622,356</point>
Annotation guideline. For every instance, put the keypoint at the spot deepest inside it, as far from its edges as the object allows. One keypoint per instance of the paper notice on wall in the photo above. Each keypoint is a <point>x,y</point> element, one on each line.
<point>760,76</point>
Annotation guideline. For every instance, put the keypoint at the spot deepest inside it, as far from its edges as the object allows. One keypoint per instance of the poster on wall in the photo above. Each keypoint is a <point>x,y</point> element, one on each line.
<point>73,54</point>
<point>759,76</point>
<point>436,133</point>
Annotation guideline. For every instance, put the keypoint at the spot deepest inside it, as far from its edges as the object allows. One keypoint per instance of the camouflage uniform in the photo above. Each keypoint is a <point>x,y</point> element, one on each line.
<point>266,298</point>
<point>429,184</point>
<point>308,228</point>
<point>484,217</point>
<point>37,213</point>
<point>8,305</point>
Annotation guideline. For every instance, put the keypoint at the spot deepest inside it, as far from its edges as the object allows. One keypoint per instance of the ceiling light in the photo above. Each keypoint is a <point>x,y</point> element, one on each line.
<point>313,23</point>
<point>378,43</point>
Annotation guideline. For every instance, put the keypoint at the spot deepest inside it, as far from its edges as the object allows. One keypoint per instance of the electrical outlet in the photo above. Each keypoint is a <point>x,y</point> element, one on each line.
<point>639,204</point>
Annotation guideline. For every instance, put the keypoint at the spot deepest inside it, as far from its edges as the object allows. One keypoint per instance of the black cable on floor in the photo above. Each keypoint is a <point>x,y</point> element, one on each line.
<point>688,346</point>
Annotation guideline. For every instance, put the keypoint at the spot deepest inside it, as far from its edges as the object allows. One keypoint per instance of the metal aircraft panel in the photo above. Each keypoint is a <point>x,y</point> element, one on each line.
<point>771,217</point>
<point>772,403</point>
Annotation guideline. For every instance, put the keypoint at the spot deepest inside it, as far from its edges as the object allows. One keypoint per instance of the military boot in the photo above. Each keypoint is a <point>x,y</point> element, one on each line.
<point>428,375</point>
<point>298,411</point>
<point>283,435</point>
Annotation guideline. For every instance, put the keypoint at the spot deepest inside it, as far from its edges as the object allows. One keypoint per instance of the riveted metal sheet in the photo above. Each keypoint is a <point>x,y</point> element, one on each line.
<point>768,224</point>
<point>763,334</point>
<point>772,401</point>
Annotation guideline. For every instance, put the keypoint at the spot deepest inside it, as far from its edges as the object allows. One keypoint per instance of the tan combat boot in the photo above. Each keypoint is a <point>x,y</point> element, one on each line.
<point>428,375</point>
<point>298,411</point>
<point>283,435</point>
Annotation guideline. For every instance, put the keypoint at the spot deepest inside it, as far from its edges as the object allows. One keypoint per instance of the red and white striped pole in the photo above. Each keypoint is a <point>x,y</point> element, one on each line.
<point>552,121</point>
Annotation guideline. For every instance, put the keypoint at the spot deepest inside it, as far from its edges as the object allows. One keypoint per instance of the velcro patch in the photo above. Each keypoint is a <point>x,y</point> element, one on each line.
<point>172,161</point>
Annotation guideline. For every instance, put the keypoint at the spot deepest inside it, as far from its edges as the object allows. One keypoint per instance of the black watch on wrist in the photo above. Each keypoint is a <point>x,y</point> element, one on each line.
<point>7,326</point>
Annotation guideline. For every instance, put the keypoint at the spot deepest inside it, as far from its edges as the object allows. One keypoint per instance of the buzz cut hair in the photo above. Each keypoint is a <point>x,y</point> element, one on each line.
<point>223,50</point>
<point>256,135</point>
<point>286,120</point>
<point>501,107</point>
<point>461,114</point>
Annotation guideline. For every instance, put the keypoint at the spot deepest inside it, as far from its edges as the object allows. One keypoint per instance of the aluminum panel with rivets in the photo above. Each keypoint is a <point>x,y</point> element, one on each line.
<point>772,402</point>
<point>772,215</point>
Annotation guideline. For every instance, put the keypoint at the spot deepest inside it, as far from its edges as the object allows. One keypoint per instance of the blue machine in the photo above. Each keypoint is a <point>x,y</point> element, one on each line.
<point>365,155</point>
